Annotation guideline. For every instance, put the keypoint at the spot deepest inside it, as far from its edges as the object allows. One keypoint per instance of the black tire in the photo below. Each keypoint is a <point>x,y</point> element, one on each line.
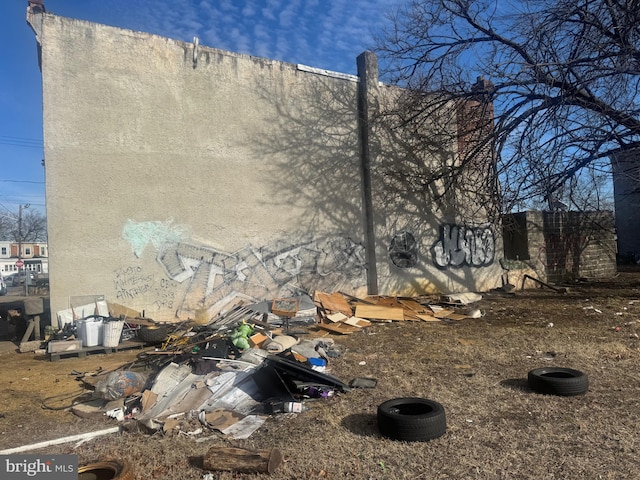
<point>153,334</point>
<point>565,382</point>
<point>411,419</point>
<point>107,470</point>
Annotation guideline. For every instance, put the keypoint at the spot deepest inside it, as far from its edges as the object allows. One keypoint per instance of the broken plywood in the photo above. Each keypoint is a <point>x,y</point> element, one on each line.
<point>339,327</point>
<point>379,308</point>
<point>335,318</point>
<point>334,302</point>
<point>380,312</point>
<point>358,322</point>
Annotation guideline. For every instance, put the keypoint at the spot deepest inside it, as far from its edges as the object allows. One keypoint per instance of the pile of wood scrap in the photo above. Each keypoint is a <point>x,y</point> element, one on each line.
<point>345,314</point>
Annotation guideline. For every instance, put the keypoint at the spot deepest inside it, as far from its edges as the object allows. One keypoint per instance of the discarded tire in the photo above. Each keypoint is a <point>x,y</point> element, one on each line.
<point>153,333</point>
<point>107,470</point>
<point>411,419</point>
<point>558,381</point>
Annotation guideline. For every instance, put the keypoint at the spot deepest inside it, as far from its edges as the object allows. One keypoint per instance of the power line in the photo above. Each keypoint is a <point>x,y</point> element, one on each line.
<point>21,142</point>
<point>21,181</point>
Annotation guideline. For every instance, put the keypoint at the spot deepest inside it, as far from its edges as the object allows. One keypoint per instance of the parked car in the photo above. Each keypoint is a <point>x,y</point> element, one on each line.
<point>18,278</point>
<point>3,286</point>
<point>8,279</point>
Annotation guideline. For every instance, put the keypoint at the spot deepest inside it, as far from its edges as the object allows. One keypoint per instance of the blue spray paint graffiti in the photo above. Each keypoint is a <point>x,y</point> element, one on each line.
<point>140,234</point>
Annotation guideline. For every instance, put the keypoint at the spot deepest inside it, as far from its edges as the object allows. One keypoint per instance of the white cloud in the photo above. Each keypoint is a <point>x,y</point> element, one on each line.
<point>288,15</point>
<point>322,33</point>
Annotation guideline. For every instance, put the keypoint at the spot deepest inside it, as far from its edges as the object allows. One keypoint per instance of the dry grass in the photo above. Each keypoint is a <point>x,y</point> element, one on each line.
<point>497,427</point>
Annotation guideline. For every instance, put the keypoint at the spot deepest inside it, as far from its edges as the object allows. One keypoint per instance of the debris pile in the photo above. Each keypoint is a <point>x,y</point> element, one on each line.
<point>231,372</point>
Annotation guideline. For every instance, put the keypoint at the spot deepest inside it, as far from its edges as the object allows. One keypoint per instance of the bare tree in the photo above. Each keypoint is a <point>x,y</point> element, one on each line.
<point>564,84</point>
<point>30,226</point>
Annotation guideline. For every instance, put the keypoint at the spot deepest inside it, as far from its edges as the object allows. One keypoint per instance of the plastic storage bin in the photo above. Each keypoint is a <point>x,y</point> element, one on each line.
<point>90,331</point>
<point>111,332</point>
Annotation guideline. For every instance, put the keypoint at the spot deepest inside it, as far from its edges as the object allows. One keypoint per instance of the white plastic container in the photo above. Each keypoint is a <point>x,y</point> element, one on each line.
<point>111,332</point>
<point>90,331</point>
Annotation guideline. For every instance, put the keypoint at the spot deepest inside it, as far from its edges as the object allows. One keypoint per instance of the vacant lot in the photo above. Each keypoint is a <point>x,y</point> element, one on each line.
<point>497,427</point>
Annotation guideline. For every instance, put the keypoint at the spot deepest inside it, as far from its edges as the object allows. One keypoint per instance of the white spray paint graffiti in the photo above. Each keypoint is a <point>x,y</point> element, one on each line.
<point>259,272</point>
<point>459,245</point>
<point>278,270</point>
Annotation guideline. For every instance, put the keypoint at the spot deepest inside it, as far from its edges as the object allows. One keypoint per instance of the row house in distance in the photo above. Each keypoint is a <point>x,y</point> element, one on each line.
<point>34,255</point>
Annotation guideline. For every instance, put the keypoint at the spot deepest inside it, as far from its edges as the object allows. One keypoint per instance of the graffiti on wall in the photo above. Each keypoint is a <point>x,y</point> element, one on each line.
<point>140,234</point>
<point>133,283</point>
<point>460,245</point>
<point>403,250</point>
<point>206,276</point>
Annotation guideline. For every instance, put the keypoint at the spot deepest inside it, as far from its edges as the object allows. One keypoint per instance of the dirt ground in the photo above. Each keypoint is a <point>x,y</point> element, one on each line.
<point>497,428</point>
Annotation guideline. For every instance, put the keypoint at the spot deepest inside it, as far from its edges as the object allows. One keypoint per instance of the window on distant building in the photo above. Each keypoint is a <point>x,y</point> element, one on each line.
<point>27,251</point>
<point>4,250</point>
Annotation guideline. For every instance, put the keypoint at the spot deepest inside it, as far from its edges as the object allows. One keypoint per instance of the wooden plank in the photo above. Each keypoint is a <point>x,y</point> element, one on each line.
<point>456,316</point>
<point>439,311</point>
<point>99,349</point>
<point>117,310</point>
<point>334,302</point>
<point>428,318</point>
<point>340,328</point>
<point>357,322</point>
<point>414,306</point>
<point>384,301</point>
<point>393,302</point>
<point>380,311</point>
<point>337,317</point>
<point>242,460</point>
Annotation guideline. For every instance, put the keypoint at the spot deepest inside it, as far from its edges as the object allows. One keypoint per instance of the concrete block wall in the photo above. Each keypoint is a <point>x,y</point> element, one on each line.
<point>561,246</point>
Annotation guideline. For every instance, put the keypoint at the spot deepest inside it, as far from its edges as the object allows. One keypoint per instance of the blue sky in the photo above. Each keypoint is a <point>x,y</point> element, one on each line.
<point>326,34</point>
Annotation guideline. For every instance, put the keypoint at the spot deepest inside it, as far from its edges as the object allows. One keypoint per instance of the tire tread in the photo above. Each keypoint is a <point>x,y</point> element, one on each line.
<point>412,428</point>
<point>576,383</point>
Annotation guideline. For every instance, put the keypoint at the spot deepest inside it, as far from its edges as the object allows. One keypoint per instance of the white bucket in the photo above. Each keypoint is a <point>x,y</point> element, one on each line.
<point>111,333</point>
<point>90,330</point>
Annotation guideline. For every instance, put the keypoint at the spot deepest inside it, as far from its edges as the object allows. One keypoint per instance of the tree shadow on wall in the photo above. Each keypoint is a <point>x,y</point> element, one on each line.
<point>428,188</point>
<point>312,143</point>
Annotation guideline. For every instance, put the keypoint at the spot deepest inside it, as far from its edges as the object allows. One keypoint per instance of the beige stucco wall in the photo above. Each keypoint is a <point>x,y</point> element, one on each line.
<point>172,184</point>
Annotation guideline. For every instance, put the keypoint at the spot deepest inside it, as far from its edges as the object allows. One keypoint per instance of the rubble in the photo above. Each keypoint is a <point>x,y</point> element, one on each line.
<point>231,372</point>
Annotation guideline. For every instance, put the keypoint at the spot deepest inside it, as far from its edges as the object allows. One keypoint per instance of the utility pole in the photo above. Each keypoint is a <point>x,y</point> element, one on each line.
<point>24,267</point>
<point>19,234</point>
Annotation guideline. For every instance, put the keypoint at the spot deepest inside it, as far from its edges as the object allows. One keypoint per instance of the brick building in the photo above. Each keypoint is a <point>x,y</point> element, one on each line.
<point>561,246</point>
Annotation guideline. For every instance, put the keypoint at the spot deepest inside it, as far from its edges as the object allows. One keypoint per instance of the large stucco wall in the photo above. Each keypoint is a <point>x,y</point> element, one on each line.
<point>172,184</point>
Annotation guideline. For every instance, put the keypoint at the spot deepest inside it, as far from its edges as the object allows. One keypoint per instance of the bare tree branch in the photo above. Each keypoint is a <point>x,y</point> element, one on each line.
<point>565,75</point>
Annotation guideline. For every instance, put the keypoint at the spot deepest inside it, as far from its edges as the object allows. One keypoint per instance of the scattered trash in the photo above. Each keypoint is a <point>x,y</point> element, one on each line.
<point>462,298</point>
<point>116,413</point>
<point>363,382</point>
<point>120,384</point>
<point>228,371</point>
<point>592,308</point>
<point>240,338</point>
<point>542,284</point>
<point>242,460</point>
